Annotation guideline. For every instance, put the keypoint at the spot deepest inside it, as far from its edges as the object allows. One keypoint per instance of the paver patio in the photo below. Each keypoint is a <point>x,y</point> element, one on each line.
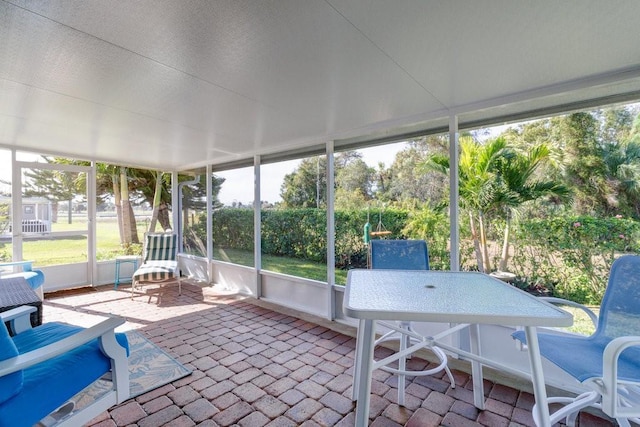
<point>259,365</point>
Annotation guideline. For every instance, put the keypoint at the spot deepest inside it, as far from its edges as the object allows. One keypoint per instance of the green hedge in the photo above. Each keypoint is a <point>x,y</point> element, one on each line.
<point>301,233</point>
<point>571,255</point>
<point>567,256</point>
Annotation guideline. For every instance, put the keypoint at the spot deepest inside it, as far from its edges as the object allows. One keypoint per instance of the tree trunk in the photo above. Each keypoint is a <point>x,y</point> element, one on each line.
<point>157,200</point>
<point>163,217</point>
<point>476,242</point>
<point>125,208</point>
<point>505,245</point>
<point>185,222</point>
<point>117,199</point>
<point>133,225</point>
<point>486,262</point>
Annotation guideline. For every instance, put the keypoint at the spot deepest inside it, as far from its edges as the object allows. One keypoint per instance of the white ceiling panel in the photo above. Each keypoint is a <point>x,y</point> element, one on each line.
<point>170,84</point>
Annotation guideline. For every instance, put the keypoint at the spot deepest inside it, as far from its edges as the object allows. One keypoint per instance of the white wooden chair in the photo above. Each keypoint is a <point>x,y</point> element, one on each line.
<point>43,367</point>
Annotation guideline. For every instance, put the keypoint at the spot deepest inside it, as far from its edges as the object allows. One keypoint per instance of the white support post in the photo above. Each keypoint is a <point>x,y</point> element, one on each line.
<point>331,233</point>
<point>176,204</point>
<point>16,208</point>
<point>209,224</point>
<point>92,264</point>
<point>453,193</point>
<point>257,236</point>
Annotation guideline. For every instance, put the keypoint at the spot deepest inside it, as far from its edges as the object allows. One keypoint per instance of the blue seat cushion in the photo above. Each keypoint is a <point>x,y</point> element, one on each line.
<point>581,357</point>
<point>12,383</point>
<point>50,384</point>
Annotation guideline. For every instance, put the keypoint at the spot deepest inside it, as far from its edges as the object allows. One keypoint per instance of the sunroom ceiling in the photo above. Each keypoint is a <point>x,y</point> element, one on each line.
<point>170,84</point>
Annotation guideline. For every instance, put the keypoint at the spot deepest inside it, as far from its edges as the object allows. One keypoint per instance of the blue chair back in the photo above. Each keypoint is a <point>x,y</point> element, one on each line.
<point>620,309</point>
<point>399,254</point>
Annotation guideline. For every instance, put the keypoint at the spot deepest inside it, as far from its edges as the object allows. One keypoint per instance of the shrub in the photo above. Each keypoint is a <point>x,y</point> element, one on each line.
<point>572,255</point>
<point>566,256</point>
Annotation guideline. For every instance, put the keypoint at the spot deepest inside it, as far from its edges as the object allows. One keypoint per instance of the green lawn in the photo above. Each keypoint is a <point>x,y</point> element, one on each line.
<point>71,249</point>
<point>296,267</point>
<point>63,250</point>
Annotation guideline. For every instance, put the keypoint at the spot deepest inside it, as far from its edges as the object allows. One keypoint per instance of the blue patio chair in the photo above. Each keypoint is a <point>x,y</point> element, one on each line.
<point>159,261</point>
<point>405,255</point>
<point>44,367</point>
<point>607,363</point>
<point>35,278</point>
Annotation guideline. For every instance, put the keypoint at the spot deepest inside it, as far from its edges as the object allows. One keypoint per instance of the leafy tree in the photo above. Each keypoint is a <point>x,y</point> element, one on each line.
<point>622,168</point>
<point>584,168</point>
<point>306,186</point>
<point>404,182</point>
<point>353,181</point>
<point>353,175</point>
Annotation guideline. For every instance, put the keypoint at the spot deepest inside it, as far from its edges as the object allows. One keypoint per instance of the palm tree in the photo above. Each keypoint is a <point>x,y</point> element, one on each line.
<point>476,178</point>
<point>494,180</point>
<point>520,185</point>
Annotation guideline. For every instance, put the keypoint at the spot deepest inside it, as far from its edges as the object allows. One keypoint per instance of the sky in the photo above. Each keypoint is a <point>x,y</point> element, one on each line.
<point>238,186</point>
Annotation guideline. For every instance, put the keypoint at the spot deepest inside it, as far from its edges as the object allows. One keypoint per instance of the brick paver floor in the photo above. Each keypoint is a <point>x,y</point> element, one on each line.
<point>254,366</point>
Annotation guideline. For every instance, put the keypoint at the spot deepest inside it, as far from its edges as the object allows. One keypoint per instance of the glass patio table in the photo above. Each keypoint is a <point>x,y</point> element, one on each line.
<point>466,299</point>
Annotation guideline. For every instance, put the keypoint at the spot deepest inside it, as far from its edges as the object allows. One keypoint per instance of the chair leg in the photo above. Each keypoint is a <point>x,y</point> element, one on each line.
<point>133,285</point>
<point>570,411</point>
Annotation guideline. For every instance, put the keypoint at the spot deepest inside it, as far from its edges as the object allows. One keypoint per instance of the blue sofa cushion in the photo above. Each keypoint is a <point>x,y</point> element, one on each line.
<point>48,385</point>
<point>12,383</point>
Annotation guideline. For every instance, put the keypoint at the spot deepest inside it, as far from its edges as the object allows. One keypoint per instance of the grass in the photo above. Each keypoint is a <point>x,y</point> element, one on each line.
<point>582,324</point>
<point>72,249</point>
<point>296,267</point>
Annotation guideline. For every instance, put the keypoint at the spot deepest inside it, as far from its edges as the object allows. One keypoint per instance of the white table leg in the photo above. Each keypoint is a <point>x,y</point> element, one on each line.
<point>357,360</point>
<point>537,377</point>
<point>402,364</point>
<point>476,367</point>
<point>363,379</point>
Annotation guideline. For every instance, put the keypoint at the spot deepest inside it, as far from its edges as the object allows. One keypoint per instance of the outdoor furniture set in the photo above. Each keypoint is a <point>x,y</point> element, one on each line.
<point>606,363</point>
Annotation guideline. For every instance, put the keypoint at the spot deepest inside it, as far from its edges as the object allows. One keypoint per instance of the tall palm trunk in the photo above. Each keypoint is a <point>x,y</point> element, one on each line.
<point>486,262</point>
<point>505,244</point>
<point>476,242</point>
